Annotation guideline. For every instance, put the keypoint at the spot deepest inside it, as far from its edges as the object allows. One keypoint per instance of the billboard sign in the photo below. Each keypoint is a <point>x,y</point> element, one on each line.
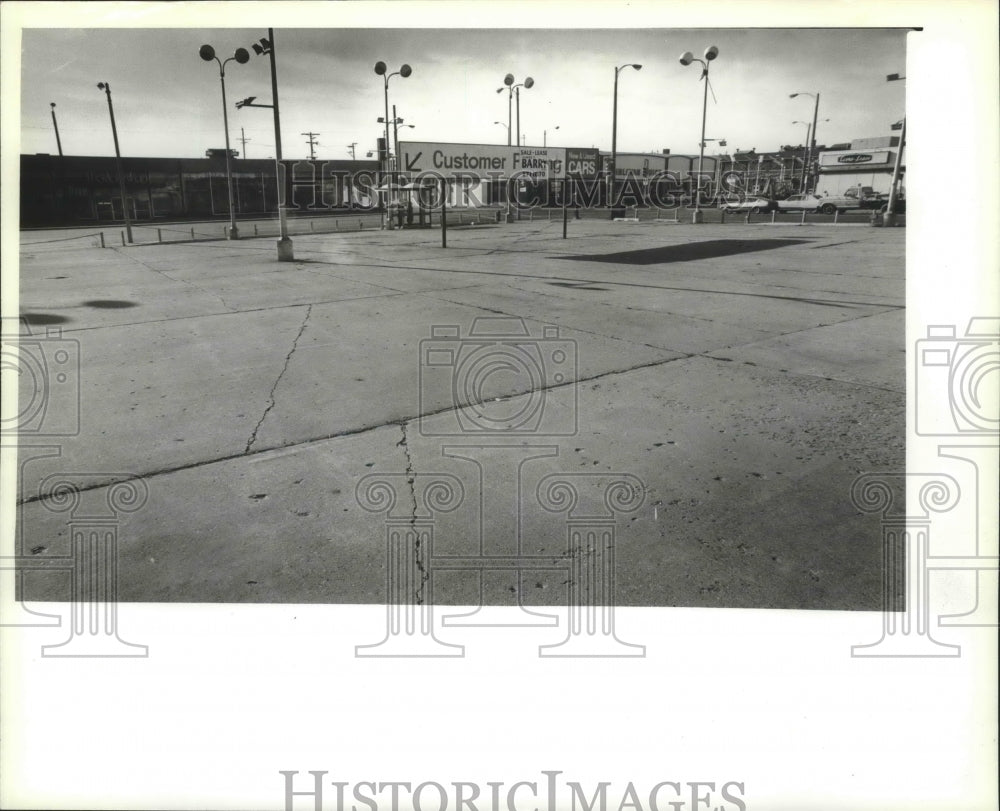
<point>846,160</point>
<point>482,160</point>
<point>583,162</point>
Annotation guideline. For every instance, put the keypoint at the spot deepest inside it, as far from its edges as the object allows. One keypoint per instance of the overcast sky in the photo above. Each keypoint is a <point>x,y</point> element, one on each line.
<point>168,101</point>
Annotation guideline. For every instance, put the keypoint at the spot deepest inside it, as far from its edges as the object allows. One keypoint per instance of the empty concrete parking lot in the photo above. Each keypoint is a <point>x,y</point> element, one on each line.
<point>741,376</point>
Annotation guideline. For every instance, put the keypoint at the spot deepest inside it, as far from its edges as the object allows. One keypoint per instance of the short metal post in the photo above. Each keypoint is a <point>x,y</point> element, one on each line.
<point>159,235</point>
<point>723,220</point>
<point>102,239</point>
<point>255,229</point>
<point>123,239</point>
<point>311,226</point>
<point>836,215</point>
<point>192,234</point>
<point>803,218</point>
<point>444,215</point>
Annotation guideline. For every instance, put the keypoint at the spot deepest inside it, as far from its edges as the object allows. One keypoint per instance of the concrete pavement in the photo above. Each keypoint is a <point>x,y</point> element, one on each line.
<point>745,374</point>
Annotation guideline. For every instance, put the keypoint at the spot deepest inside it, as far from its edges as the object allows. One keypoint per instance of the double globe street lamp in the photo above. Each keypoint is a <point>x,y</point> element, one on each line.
<point>512,90</point>
<point>711,52</point>
<point>242,56</point>
<point>381,70</point>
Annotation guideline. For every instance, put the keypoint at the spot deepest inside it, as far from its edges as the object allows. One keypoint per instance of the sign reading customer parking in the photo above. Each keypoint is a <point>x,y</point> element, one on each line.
<point>449,160</point>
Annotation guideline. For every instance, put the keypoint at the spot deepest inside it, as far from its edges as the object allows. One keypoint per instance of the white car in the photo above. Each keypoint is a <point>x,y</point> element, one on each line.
<point>801,202</point>
<point>753,204</point>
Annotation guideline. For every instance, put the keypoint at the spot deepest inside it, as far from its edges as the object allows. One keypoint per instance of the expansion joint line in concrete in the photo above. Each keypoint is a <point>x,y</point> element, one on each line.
<point>284,368</point>
<point>173,278</point>
<point>418,550</point>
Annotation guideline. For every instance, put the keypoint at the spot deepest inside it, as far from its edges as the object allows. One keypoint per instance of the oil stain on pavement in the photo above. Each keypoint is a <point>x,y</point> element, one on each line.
<point>688,251</point>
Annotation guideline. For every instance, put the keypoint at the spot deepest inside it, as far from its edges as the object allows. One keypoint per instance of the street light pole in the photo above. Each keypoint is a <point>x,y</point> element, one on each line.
<point>508,81</point>
<point>889,218</point>
<point>241,56</point>
<point>545,136</point>
<point>686,59</point>
<point>266,46</point>
<point>810,141</point>
<point>614,139</point>
<point>55,124</point>
<point>404,71</point>
<point>118,160</point>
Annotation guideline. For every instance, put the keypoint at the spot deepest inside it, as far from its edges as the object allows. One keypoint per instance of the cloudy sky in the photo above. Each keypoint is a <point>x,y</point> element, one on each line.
<point>168,101</point>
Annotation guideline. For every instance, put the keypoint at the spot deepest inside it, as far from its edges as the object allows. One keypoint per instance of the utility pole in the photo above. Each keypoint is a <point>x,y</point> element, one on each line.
<point>55,124</point>
<point>313,143</point>
<point>351,146</point>
<point>244,139</point>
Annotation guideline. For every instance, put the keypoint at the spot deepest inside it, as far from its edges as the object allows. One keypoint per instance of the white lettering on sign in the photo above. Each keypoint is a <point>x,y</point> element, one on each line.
<point>581,167</point>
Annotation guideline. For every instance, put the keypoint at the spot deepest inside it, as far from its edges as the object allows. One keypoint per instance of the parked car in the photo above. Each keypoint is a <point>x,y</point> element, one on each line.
<point>752,204</point>
<point>801,202</point>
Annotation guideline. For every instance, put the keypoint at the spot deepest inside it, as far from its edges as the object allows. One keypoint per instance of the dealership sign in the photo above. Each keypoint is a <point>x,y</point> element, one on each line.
<point>482,160</point>
<point>583,162</point>
<point>850,159</point>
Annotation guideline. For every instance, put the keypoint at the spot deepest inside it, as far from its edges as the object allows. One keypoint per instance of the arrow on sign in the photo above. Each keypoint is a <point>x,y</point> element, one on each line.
<point>412,163</point>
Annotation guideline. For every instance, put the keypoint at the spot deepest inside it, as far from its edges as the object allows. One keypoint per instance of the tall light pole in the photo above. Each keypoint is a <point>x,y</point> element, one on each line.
<point>687,58</point>
<point>545,136</point>
<point>242,56</point>
<point>889,218</point>
<point>118,160</point>
<point>55,124</point>
<point>810,153</point>
<point>506,128</point>
<point>381,70</point>
<point>614,139</point>
<point>508,81</point>
<point>266,46</point>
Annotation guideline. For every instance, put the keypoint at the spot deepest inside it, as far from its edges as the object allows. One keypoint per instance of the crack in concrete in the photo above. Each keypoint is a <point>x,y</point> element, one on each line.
<point>284,368</point>
<point>418,550</point>
<point>364,429</point>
